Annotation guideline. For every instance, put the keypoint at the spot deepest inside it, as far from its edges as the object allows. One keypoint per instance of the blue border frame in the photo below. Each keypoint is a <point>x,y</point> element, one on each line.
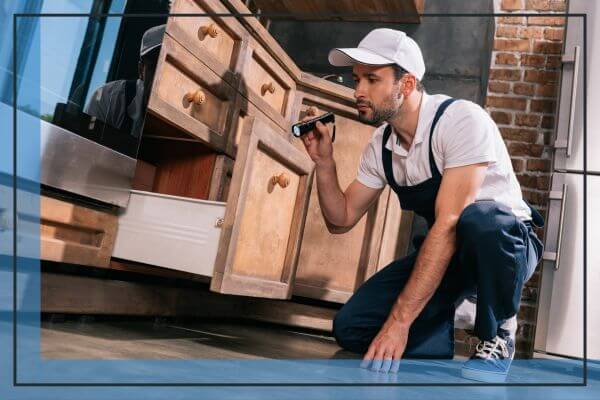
<point>60,367</point>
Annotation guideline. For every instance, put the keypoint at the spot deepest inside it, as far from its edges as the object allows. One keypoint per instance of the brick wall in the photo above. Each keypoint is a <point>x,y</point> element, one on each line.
<point>521,98</point>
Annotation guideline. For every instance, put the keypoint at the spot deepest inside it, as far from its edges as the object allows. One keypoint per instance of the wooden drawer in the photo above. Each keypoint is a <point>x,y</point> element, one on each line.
<point>179,76</point>
<point>72,233</point>
<point>170,231</point>
<point>266,84</point>
<point>216,40</point>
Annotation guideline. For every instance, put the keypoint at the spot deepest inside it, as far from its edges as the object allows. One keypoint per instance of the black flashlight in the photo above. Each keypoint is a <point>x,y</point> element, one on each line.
<point>302,128</point>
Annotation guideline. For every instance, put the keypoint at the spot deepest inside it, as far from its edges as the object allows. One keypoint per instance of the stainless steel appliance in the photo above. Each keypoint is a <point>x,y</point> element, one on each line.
<point>560,319</point>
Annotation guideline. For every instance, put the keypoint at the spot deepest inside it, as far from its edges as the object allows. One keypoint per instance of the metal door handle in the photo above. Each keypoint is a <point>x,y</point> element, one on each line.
<point>575,60</point>
<point>555,256</point>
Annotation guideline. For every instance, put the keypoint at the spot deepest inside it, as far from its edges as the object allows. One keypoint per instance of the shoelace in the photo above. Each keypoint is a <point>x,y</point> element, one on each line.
<point>492,349</point>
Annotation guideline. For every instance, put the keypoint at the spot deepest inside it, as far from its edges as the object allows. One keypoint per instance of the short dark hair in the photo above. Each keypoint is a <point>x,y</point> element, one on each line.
<point>399,72</point>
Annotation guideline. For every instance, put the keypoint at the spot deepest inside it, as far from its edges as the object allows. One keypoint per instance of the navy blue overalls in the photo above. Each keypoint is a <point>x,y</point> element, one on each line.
<point>496,254</point>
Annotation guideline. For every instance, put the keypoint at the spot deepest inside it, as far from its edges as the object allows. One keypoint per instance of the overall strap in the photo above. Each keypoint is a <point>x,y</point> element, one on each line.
<point>434,170</point>
<point>386,156</point>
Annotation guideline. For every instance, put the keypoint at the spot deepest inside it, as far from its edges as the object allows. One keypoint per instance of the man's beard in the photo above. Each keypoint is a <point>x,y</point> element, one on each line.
<point>380,114</point>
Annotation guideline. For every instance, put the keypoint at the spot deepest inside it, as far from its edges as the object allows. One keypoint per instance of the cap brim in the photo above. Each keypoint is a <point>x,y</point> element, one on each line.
<point>149,49</point>
<point>348,57</point>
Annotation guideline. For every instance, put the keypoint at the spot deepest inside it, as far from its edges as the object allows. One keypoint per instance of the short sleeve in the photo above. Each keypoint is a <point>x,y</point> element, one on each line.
<point>369,173</point>
<point>467,137</point>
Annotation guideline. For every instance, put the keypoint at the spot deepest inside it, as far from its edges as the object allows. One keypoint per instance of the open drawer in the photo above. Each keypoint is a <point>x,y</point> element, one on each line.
<point>253,250</point>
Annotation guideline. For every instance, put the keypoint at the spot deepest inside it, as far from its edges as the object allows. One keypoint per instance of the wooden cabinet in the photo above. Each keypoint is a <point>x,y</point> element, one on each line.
<point>228,194</point>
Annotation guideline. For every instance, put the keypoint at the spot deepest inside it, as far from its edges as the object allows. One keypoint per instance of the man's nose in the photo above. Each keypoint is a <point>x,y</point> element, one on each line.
<point>359,91</point>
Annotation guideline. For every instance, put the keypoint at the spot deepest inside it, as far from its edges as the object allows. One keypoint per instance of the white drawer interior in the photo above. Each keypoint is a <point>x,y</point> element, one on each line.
<point>170,231</point>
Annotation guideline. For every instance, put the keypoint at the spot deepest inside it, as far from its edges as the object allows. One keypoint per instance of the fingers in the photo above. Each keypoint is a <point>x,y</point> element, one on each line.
<point>368,357</point>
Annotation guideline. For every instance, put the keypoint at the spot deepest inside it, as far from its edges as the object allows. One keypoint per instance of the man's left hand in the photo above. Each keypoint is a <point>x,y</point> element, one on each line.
<point>386,349</point>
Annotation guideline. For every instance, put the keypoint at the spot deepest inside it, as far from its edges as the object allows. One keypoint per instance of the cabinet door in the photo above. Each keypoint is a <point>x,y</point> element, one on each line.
<point>264,218</point>
<point>560,315</point>
<point>332,266</point>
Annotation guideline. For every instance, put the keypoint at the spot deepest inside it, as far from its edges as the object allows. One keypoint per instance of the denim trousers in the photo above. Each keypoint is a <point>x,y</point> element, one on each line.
<point>496,253</point>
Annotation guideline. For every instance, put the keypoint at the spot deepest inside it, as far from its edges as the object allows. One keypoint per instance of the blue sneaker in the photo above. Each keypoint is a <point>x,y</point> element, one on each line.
<point>491,360</point>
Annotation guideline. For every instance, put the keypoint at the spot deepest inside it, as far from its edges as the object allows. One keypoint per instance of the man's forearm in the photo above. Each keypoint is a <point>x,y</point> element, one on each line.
<point>331,197</point>
<point>430,267</point>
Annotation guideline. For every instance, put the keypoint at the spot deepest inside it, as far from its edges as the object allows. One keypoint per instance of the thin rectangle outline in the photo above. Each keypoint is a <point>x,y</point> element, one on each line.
<point>237,15</point>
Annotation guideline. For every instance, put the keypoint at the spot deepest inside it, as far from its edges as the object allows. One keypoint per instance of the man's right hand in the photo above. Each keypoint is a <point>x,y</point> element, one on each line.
<point>318,144</point>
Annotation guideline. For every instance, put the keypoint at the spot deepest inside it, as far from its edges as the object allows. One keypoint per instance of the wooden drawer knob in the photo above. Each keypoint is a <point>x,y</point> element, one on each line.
<point>282,180</point>
<point>197,97</point>
<point>208,30</point>
<point>312,111</point>
<point>267,87</point>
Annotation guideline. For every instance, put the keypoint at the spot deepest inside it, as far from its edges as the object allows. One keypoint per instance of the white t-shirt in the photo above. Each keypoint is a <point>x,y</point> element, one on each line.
<point>465,134</point>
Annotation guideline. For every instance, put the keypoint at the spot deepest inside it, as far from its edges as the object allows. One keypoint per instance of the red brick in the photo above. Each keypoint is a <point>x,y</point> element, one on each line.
<point>523,89</point>
<point>546,90</point>
<point>502,74</point>
<point>533,60</point>
<point>525,149</point>
<point>519,134</point>
<point>544,106</point>
<point>543,182</point>
<point>545,5</point>
<point>500,117</point>
<point>499,87</point>
<point>538,165</point>
<point>535,182</point>
<point>513,103</point>
<point>535,198</point>
<point>549,21</point>
<point>531,120</point>
<point>528,181</point>
<point>511,44</point>
<point>511,20</point>
<point>554,34</point>
<point>517,164</point>
<point>548,122</point>
<point>538,76</point>
<point>506,59</point>
<point>547,47</point>
<point>511,5</point>
<point>553,62</point>
<point>508,31</point>
<point>531,32</point>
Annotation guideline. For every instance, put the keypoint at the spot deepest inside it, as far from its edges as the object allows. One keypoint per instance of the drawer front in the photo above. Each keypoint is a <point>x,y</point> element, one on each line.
<point>266,84</point>
<point>170,231</point>
<point>72,233</point>
<point>215,40</point>
<point>189,95</point>
<point>265,216</point>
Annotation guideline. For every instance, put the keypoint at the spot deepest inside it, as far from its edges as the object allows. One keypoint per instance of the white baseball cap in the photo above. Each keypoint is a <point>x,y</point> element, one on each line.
<point>383,46</point>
